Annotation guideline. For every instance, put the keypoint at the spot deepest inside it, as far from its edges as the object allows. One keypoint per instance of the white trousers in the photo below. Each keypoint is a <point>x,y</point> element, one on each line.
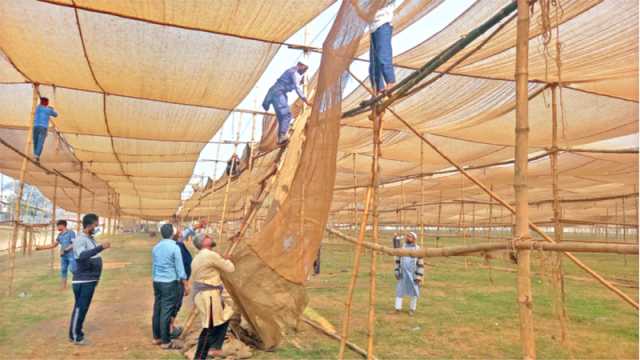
<point>412,304</point>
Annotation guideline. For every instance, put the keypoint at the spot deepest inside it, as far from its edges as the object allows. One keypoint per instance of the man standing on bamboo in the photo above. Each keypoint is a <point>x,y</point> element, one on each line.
<point>381,72</point>
<point>409,272</point>
<point>290,80</point>
<point>85,279</point>
<point>41,125</point>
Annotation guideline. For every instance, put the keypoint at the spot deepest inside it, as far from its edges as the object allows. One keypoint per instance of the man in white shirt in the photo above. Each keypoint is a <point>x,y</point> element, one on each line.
<point>381,71</point>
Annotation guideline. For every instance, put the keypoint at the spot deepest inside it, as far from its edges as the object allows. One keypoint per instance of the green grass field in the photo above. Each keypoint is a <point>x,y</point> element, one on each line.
<point>461,314</point>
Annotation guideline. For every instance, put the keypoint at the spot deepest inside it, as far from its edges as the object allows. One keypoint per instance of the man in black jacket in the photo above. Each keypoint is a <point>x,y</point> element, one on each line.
<point>88,269</point>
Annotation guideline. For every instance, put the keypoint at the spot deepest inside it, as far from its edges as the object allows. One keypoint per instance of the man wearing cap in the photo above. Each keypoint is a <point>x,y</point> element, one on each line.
<point>290,80</point>
<point>409,272</point>
<point>41,125</point>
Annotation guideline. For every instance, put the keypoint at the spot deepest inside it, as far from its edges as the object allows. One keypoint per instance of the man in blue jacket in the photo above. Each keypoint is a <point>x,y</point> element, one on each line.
<point>289,81</point>
<point>41,125</point>
<point>85,279</point>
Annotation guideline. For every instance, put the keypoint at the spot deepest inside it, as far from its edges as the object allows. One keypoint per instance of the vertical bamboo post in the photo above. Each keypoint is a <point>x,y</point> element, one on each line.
<point>461,225</point>
<point>606,228</point>
<point>355,197</point>
<point>558,231</point>
<point>635,201</point>
<point>53,219</point>
<point>490,228</point>
<point>26,238</point>
<point>439,219</point>
<point>624,228</point>
<point>422,193</point>
<point>18,202</point>
<point>346,318</point>
<point>79,209</point>
<point>473,221</point>
<point>615,216</point>
<point>372,274</point>
<point>226,190</point>
<point>520,180</point>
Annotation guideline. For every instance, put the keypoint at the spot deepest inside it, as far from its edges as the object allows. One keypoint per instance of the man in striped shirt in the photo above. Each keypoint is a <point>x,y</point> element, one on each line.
<point>409,272</point>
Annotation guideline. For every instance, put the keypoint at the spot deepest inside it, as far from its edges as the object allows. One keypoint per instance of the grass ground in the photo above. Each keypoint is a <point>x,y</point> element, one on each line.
<point>461,313</point>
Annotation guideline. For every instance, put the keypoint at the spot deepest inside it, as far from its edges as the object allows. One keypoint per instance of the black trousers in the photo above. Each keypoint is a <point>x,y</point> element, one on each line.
<point>164,308</point>
<point>211,337</point>
<point>83,293</point>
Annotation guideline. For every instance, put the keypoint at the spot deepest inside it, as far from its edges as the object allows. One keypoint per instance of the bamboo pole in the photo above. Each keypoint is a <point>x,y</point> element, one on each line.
<point>355,197</point>
<point>461,219</point>
<point>421,194</point>
<point>525,297</point>
<point>346,318</point>
<point>79,208</point>
<point>53,219</point>
<point>531,245</point>
<point>226,191</point>
<point>624,228</point>
<point>439,218</point>
<point>377,128</point>
<point>25,238</point>
<point>18,203</point>
<point>558,232</point>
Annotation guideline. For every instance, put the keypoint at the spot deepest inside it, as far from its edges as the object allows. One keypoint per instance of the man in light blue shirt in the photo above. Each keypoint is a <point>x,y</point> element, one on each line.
<point>289,81</point>
<point>168,276</point>
<point>41,125</point>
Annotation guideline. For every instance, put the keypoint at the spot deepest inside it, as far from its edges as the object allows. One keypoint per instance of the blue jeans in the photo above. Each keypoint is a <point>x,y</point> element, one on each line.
<point>39,134</point>
<point>67,263</point>
<point>278,99</point>
<point>83,293</point>
<point>381,57</point>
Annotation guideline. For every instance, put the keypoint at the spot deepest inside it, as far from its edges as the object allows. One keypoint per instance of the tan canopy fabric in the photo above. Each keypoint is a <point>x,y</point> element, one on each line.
<point>140,88</point>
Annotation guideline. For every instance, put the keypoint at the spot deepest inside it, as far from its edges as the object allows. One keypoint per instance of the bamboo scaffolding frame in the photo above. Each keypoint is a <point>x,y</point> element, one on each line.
<point>506,205</point>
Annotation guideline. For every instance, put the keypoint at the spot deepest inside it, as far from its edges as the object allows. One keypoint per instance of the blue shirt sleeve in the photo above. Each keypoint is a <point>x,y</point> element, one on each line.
<point>52,112</point>
<point>178,263</point>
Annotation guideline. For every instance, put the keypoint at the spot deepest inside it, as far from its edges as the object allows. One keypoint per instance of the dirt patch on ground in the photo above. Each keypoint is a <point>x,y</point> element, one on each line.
<point>117,326</point>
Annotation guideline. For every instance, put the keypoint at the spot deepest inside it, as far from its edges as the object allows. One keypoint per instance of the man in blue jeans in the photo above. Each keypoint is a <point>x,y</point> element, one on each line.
<point>289,81</point>
<point>65,240</point>
<point>381,71</point>
<point>88,270</point>
<point>41,125</point>
<point>168,276</point>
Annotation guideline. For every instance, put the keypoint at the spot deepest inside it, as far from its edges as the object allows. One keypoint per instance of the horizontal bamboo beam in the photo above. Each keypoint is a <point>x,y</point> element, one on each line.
<point>42,167</point>
<point>598,151</point>
<point>486,247</point>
